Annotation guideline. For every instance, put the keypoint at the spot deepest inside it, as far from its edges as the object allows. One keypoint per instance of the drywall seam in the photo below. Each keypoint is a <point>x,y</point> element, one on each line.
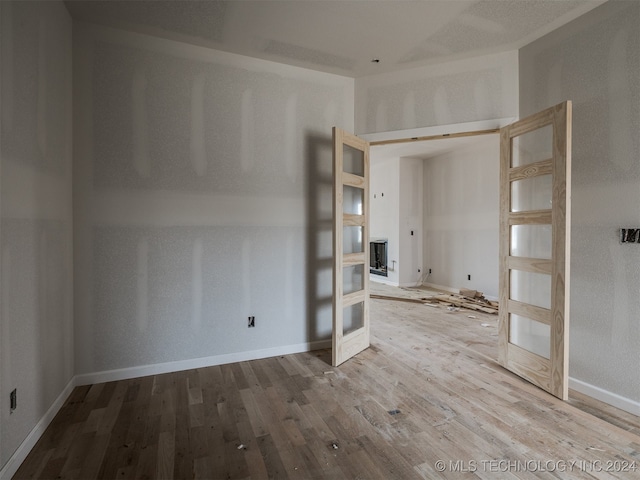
<point>207,54</point>
<point>14,462</point>
<point>618,401</point>
<point>169,367</point>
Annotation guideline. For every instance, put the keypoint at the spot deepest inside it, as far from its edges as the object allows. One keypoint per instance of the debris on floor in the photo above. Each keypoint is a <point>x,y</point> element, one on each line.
<point>476,302</point>
<point>469,299</point>
<point>394,412</point>
<point>334,445</point>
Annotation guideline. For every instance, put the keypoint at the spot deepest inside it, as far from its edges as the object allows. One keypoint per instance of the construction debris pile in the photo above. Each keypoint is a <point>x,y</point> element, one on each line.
<point>470,299</point>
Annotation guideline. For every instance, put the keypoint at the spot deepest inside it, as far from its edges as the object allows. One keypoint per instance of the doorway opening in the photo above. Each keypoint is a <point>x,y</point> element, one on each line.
<point>435,202</point>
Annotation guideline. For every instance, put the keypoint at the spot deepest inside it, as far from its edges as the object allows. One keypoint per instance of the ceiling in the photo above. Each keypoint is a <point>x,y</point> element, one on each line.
<point>342,36</point>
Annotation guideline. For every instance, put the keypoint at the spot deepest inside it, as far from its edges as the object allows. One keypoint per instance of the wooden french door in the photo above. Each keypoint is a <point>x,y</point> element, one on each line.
<point>350,246</point>
<point>535,196</point>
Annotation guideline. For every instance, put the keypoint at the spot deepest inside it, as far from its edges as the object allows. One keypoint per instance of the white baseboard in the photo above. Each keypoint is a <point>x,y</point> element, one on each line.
<point>12,465</point>
<point>454,290</point>
<point>610,398</point>
<point>159,368</point>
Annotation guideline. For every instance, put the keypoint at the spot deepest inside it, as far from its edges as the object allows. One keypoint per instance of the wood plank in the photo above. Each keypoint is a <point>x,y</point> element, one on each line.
<point>531,170</point>
<point>165,456</point>
<point>353,298</point>
<point>561,235</point>
<point>533,265</point>
<point>530,366</point>
<point>539,314</point>
<point>397,299</point>
<point>350,259</point>
<point>504,245</point>
<point>532,122</point>
<point>353,180</point>
<point>443,136</point>
<point>353,220</point>
<point>466,303</point>
<point>533,217</point>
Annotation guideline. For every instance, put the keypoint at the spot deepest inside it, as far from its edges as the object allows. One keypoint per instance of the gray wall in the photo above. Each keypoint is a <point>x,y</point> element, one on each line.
<point>595,62</point>
<point>461,216</point>
<point>384,195</point>
<point>201,182</point>
<point>479,88</point>
<point>36,286</point>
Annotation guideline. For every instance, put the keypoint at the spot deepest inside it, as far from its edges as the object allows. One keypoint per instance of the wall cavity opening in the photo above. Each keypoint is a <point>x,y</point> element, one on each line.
<point>378,257</point>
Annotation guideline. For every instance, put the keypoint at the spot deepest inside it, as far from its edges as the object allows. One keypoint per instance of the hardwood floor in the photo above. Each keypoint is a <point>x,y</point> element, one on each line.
<point>427,391</point>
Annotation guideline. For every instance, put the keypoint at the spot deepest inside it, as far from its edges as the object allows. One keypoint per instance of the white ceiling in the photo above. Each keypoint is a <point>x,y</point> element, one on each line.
<point>342,36</point>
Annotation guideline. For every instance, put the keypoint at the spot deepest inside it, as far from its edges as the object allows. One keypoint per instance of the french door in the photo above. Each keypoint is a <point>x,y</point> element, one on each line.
<point>350,246</point>
<point>535,206</point>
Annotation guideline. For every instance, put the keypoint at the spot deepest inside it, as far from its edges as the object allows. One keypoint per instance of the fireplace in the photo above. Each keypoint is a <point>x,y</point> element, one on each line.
<point>378,257</point>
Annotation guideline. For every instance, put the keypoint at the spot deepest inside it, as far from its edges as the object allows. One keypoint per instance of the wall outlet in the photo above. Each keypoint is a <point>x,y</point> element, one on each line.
<point>418,270</point>
<point>13,400</point>
<point>469,277</point>
<point>251,322</point>
<point>429,271</point>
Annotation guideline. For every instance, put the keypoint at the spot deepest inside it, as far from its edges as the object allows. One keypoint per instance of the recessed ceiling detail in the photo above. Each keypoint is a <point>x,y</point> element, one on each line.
<point>338,36</point>
<point>308,55</point>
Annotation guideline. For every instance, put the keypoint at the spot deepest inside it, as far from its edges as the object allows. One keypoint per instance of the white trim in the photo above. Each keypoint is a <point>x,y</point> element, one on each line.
<point>11,467</point>
<point>610,398</point>
<point>168,367</point>
<point>441,287</point>
<point>439,130</point>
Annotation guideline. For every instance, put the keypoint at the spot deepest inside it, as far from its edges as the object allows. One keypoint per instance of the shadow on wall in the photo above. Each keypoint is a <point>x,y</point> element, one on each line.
<point>319,241</point>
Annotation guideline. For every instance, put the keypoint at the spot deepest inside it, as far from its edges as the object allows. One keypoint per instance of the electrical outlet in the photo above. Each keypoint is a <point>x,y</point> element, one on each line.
<point>469,277</point>
<point>13,400</point>
<point>429,270</point>
<point>418,270</point>
<point>251,322</point>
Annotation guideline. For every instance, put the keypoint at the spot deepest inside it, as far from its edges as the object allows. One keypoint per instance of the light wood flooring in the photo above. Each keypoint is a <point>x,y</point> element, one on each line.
<point>428,390</point>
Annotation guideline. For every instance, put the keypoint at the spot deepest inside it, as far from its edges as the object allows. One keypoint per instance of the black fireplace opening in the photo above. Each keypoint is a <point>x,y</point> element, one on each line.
<point>378,257</point>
